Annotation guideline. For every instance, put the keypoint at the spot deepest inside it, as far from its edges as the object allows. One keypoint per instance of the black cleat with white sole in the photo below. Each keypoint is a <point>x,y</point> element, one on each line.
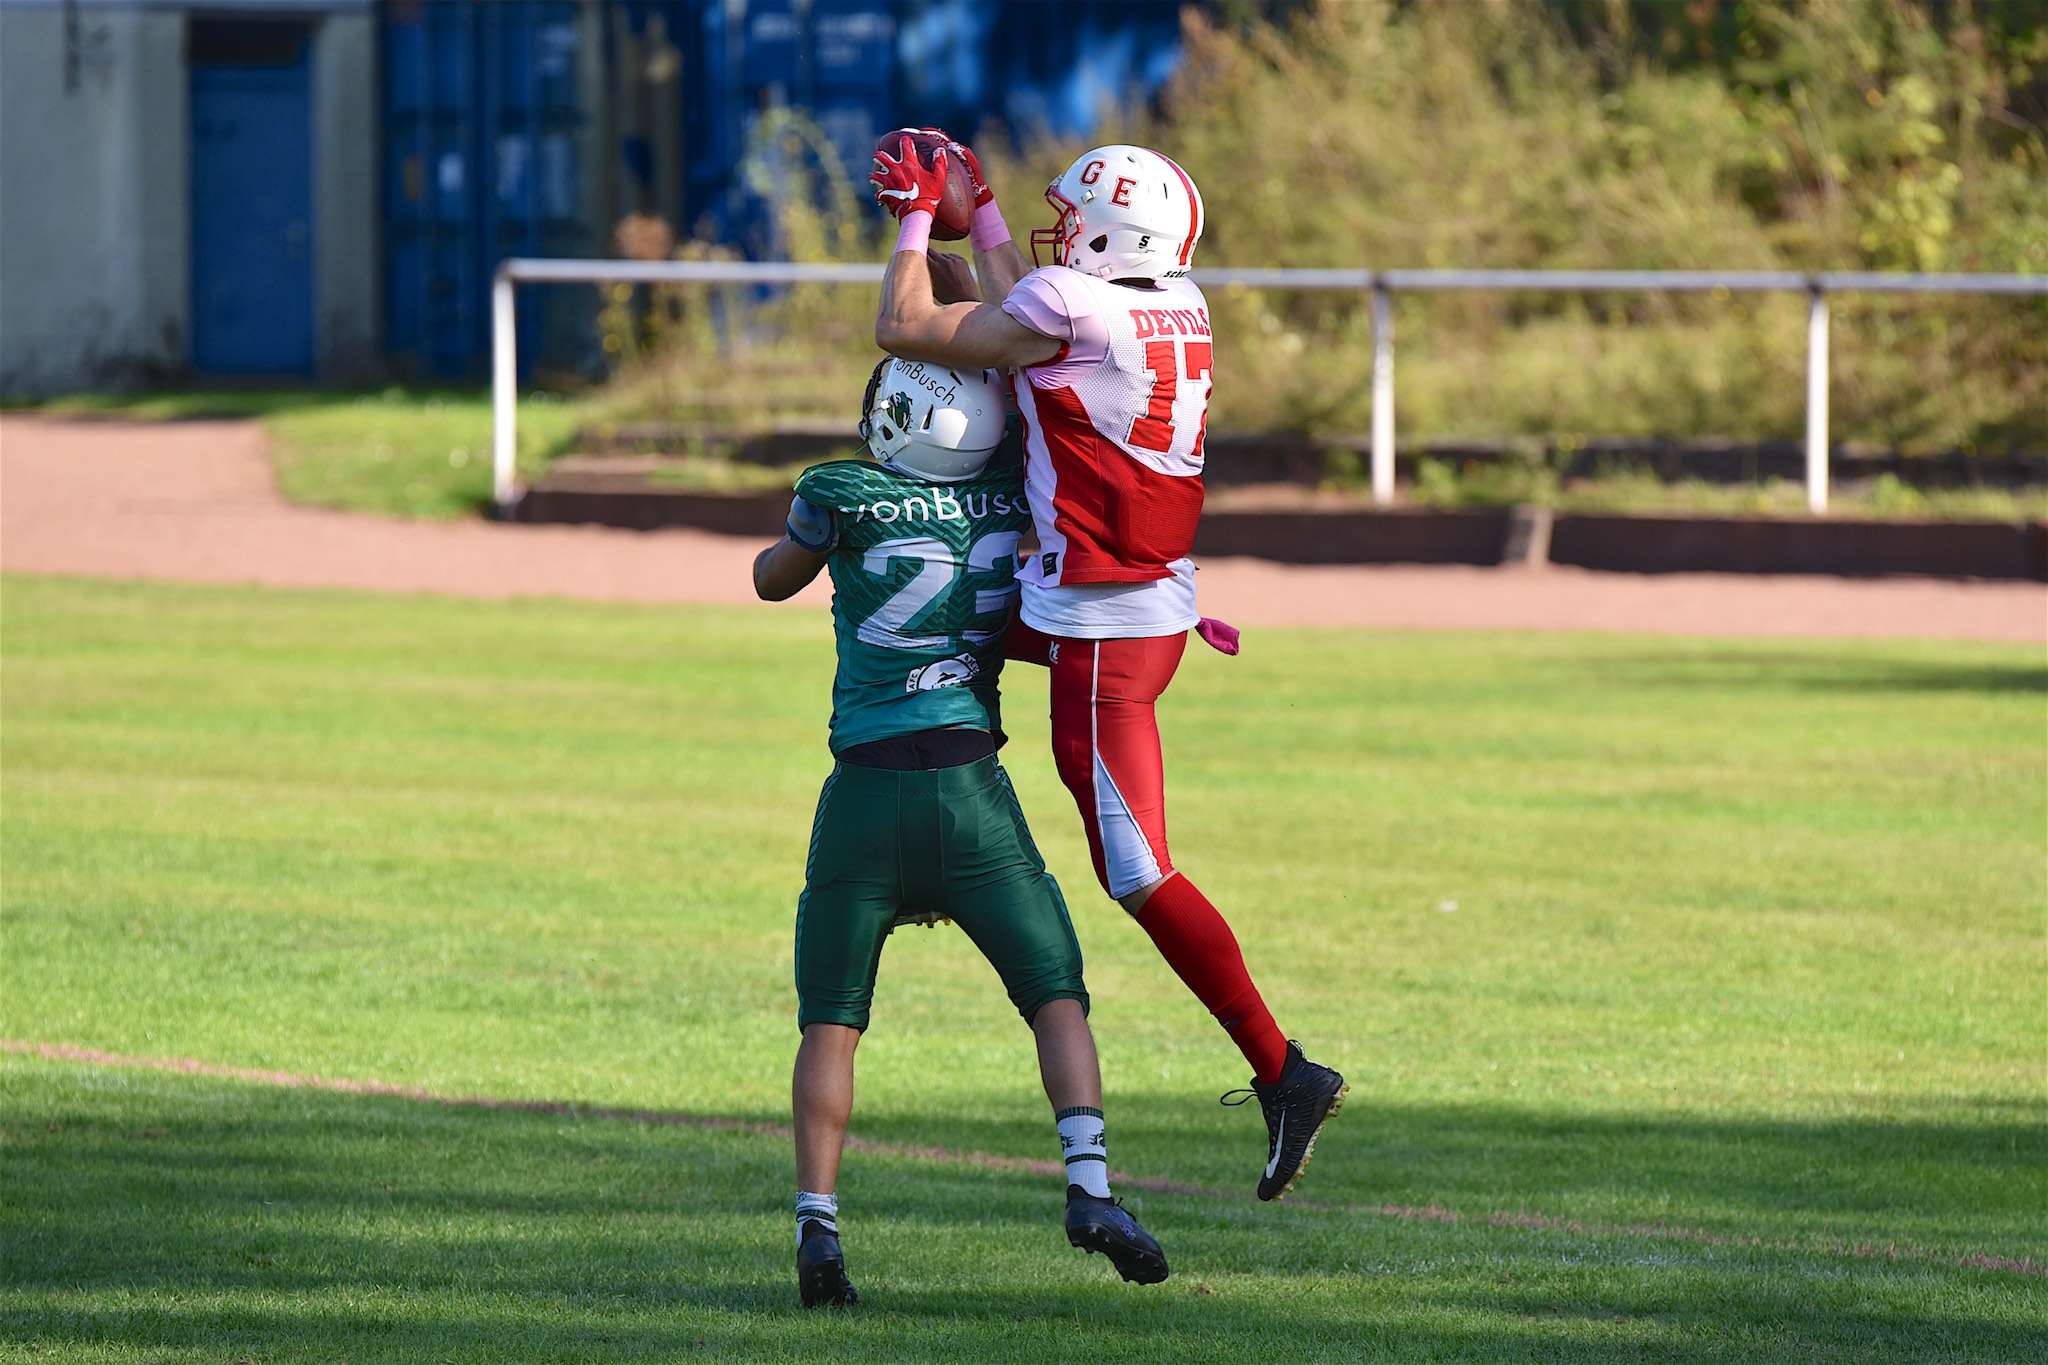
<point>821,1270</point>
<point>1105,1225</point>
<point>1296,1108</point>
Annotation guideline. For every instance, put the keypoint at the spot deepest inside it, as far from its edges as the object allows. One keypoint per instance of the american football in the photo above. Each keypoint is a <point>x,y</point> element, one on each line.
<point>955,213</point>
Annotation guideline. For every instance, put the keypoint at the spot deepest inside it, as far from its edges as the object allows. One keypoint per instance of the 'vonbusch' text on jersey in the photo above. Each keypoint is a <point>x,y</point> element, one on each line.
<point>941,505</point>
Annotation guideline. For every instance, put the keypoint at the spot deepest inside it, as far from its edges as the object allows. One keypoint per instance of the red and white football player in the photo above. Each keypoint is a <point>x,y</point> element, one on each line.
<point>1110,352</point>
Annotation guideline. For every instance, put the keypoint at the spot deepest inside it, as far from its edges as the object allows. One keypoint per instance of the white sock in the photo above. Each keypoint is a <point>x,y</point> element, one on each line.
<point>822,1209</point>
<point>1087,1154</point>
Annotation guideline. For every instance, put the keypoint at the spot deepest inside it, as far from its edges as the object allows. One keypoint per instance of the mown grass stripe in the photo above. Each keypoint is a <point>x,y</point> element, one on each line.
<point>1505,1220</point>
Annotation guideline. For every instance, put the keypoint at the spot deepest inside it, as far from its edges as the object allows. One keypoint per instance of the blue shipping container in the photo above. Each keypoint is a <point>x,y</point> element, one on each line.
<point>482,119</point>
<point>489,107</point>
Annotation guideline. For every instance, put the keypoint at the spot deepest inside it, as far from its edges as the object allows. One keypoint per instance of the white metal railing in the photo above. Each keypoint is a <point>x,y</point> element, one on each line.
<point>1381,284</point>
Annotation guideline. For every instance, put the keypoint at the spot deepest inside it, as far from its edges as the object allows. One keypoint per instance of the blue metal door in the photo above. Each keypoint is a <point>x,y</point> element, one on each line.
<point>252,200</point>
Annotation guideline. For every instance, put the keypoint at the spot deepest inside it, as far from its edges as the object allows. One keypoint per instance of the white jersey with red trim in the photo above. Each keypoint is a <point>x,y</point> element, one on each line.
<point>1114,434</point>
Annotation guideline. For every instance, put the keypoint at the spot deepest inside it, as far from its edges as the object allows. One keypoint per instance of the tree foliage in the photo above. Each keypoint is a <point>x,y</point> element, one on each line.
<point>1736,134</point>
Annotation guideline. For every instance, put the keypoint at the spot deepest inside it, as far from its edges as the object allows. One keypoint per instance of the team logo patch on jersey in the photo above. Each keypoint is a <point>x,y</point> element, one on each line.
<point>945,673</point>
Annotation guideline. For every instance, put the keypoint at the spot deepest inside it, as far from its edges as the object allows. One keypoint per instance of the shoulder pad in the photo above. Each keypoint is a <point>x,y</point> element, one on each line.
<point>839,485</point>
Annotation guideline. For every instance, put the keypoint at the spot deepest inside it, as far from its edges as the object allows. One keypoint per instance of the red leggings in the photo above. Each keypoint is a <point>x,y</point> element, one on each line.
<point>1105,743</point>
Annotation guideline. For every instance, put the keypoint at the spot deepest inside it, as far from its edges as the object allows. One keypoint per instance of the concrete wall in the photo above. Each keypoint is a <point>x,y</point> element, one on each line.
<point>95,215</point>
<point>94,225</point>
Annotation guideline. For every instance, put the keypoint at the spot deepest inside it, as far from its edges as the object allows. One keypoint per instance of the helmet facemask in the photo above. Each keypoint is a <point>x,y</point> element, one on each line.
<point>867,399</point>
<point>1059,239</point>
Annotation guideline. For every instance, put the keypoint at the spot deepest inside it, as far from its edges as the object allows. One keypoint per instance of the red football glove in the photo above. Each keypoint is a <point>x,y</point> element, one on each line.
<point>902,184</point>
<point>983,195</point>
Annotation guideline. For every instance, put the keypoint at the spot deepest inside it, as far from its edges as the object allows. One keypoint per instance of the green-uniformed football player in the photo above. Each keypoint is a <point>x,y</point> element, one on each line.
<point>917,821</point>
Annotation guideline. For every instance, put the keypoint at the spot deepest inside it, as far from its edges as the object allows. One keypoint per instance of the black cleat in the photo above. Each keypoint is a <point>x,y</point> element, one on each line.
<point>821,1270</point>
<point>1296,1108</point>
<point>1105,1225</point>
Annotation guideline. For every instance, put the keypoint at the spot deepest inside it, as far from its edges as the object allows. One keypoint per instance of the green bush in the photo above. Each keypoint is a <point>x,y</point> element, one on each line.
<point>1764,134</point>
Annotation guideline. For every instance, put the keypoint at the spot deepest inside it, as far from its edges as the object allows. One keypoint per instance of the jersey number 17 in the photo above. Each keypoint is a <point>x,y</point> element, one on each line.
<point>1164,360</point>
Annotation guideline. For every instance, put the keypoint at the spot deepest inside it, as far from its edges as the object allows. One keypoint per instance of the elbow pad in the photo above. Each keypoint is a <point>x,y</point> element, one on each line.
<point>813,527</point>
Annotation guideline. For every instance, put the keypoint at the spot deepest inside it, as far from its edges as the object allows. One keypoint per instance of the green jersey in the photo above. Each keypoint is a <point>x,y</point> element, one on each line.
<point>923,583</point>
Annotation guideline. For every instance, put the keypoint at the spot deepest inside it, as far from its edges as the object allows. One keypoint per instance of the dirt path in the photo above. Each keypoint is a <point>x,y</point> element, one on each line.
<point>195,502</point>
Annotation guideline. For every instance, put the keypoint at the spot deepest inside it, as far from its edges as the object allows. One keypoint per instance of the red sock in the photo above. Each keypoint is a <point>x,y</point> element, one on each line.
<point>1197,943</point>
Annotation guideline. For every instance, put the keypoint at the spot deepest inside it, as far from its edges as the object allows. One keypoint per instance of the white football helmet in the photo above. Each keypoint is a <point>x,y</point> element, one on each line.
<point>931,421</point>
<point>1125,213</point>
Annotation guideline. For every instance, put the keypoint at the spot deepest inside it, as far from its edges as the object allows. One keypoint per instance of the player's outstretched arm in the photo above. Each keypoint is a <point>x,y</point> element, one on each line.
<point>912,324</point>
<point>952,279</point>
<point>997,262</point>
<point>999,268</point>
<point>785,569</point>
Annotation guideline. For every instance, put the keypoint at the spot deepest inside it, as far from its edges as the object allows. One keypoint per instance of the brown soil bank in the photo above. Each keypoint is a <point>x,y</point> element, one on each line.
<point>195,502</point>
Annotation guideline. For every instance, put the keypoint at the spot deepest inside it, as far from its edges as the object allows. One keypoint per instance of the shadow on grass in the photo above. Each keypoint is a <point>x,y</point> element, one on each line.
<point>1733,666</point>
<point>1944,1186</point>
<point>159,1213</point>
<point>1903,675</point>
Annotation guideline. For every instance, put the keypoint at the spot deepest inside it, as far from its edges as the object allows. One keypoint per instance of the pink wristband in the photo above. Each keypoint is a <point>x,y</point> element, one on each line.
<point>989,228</point>
<point>915,231</point>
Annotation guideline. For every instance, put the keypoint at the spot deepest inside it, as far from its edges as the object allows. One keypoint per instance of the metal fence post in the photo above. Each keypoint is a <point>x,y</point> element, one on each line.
<point>504,395</point>
<point>1817,399</point>
<point>1382,283</point>
<point>1382,394</point>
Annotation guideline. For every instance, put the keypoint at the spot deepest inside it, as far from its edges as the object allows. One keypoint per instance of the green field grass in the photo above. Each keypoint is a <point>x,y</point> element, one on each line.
<point>1731,1048</point>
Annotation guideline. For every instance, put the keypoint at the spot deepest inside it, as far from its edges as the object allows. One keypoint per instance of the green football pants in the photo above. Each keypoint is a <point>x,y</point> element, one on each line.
<point>890,848</point>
